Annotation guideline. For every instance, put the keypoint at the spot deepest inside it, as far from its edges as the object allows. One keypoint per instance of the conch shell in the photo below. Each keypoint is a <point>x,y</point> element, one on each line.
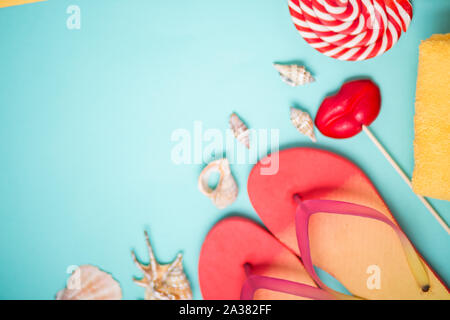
<point>303,122</point>
<point>294,75</point>
<point>240,130</point>
<point>163,282</point>
<point>90,283</point>
<point>226,190</point>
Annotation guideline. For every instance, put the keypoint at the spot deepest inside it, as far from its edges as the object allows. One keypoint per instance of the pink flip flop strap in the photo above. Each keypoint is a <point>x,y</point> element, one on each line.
<point>255,282</point>
<point>307,208</point>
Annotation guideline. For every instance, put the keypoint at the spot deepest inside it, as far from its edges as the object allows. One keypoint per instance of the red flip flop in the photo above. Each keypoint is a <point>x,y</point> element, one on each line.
<point>325,209</point>
<point>241,260</point>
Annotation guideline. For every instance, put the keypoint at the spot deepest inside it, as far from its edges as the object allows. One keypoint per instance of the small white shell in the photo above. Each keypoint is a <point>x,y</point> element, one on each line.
<point>226,190</point>
<point>240,130</point>
<point>303,122</point>
<point>90,283</point>
<point>163,282</point>
<point>294,75</point>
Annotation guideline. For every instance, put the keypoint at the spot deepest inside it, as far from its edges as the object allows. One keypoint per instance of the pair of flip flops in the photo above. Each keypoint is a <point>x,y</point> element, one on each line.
<point>321,210</point>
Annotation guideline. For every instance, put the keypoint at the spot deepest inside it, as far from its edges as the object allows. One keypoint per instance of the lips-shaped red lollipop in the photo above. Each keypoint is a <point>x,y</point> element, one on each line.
<point>343,115</point>
<point>352,110</point>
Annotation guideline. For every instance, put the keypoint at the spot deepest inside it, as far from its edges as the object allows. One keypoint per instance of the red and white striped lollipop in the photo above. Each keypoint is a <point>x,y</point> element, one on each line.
<point>351,29</point>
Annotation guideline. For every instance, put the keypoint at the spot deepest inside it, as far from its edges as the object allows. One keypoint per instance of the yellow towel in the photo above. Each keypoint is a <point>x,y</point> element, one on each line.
<point>431,175</point>
<point>9,3</point>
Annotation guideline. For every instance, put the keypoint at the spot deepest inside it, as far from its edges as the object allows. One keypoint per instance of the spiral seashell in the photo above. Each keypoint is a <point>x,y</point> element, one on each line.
<point>163,282</point>
<point>226,190</point>
<point>303,122</point>
<point>351,29</point>
<point>240,130</point>
<point>90,283</point>
<point>294,75</point>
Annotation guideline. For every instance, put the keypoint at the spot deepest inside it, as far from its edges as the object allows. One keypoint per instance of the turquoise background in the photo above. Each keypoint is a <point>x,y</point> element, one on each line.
<point>86,118</point>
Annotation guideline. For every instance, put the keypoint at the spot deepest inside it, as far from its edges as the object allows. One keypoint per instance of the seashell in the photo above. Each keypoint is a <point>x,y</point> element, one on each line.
<point>90,283</point>
<point>303,122</point>
<point>163,282</point>
<point>226,190</point>
<point>240,130</point>
<point>294,75</point>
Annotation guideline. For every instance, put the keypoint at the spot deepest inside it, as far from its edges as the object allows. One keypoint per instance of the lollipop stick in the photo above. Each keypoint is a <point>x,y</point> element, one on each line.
<point>405,177</point>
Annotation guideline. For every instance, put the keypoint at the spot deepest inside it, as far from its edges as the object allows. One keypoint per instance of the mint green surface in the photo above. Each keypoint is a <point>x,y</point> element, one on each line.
<point>86,118</point>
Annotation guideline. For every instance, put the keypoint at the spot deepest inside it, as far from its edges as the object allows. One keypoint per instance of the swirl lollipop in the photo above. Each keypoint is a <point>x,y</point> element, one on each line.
<point>352,110</point>
<point>351,29</point>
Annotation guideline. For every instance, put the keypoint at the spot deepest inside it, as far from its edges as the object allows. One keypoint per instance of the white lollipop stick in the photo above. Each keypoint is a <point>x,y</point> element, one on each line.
<point>405,178</point>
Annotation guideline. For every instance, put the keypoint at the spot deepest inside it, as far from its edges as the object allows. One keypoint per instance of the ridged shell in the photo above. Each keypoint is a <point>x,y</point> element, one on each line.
<point>294,75</point>
<point>240,130</point>
<point>226,190</point>
<point>90,283</point>
<point>163,282</point>
<point>303,122</point>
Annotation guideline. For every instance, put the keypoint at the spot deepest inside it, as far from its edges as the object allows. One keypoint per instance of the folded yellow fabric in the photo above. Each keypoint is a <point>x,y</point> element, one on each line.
<point>9,3</point>
<point>431,175</point>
